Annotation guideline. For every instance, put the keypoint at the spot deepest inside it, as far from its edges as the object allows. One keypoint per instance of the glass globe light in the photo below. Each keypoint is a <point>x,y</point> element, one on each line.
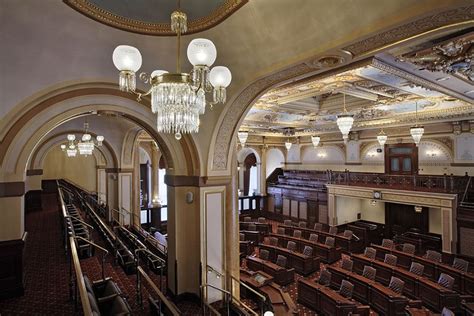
<point>268,313</point>
<point>86,137</point>
<point>315,140</point>
<point>63,147</point>
<point>71,137</point>
<point>100,138</point>
<point>201,52</point>
<point>344,122</point>
<point>178,136</point>
<point>127,58</point>
<point>220,76</point>
<point>157,73</point>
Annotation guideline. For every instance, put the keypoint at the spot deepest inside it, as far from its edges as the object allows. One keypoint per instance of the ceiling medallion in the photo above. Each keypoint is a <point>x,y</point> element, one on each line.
<point>326,62</point>
<point>104,16</point>
<point>178,99</point>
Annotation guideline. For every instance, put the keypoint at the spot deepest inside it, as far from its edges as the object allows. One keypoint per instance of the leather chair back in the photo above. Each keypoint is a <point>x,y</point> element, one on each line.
<point>460,264</point>
<point>325,278</point>
<point>369,273</point>
<point>308,251</point>
<point>387,243</point>
<point>273,241</point>
<point>297,233</point>
<point>281,261</point>
<point>390,259</point>
<point>396,285</point>
<point>370,252</point>
<point>280,231</point>
<point>446,280</point>
<point>333,230</point>
<point>288,222</point>
<point>247,219</point>
<point>346,289</point>
<point>291,246</point>
<point>313,238</point>
<point>433,255</point>
<point>409,248</point>
<point>241,237</point>
<point>318,227</point>
<point>264,254</point>
<point>330,241</point>
<point>262,220</point>
<point>302,224</point>
<point>347,264</point>
<point>417,268</point>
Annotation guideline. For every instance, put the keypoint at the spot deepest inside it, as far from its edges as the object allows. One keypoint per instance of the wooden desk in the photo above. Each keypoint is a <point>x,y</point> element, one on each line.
<point>301,263</point>
<point>381,298</point>
<point>246,247</point>
<point>281,302</point>
<point>251,235</point>
<point>326,301</point>
<point>430,293</point>
<point>280,275</point>
<point>463,282</point>
<point>347,244</point>
<point>326,253</point>
<point>264,228</point>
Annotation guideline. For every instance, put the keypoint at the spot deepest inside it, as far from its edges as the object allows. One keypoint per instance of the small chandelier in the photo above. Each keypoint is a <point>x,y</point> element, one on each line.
<point>86,145</point>
<point>344,122</point>
<point>382,138</point>
<point>418,209</point>
<point>315,140</point>
<point>243,137</point>
<point>288,144</point>
<point>177,99</point>
<point>417,131</point>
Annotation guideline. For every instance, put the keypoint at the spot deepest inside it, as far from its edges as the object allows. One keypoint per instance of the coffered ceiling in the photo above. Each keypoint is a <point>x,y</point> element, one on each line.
<point>382,92</point>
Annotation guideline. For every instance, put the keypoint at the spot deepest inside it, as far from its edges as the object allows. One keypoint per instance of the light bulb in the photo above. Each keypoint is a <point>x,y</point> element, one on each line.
<point>201,52</point>
<point>86,137</point>
<point>100,138</point>
<point>71,137</point>
<point>177,136</point>
<point>220,76</point>
<point>63,147</point>
<point>127,58</point>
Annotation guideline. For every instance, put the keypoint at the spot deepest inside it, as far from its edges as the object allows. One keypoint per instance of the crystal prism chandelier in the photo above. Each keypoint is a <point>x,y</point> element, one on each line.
<point>345,121</point>
<point>177,99</point>
<point>416,131</point>
<point>242,137</point>
<point>315,140</point>
<point>382,138</point>
<point>85,146</point>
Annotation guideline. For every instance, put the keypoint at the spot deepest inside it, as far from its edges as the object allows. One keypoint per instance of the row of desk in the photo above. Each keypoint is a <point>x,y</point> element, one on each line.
<point>326,253</point>
<point>264,228</point>
<point>463,282</point>
<point>429,292</point>
<point>327,301</point>
<point>302,264</point>
<point>281,276</point>
<point>347,244</point>
<point>380,297</point>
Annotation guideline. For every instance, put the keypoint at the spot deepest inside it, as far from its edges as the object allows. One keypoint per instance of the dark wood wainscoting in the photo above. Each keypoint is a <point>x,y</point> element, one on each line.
<point>11,267</point>
<point>33,201</point>
<point>400,218</point>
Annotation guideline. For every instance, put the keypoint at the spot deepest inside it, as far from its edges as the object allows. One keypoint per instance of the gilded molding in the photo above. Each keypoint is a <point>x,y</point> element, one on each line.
<point>368,46</point>
<point>157,29</point>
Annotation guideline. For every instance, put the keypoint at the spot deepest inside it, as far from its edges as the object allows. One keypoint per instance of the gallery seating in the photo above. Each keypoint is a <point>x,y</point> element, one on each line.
<point>279,271</point>
<point>369,273</point>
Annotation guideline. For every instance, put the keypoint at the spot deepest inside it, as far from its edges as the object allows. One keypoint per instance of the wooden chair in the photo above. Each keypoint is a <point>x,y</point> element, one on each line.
<point>433,256</point>
<point>273,241</point>
<point>247,219</point>
<point>346,289</point>
<point>291,246</point>
<point>281,261</point>
<point>409,248</point>
<point>318,227</point>
<point>417,268</point>
<point>280,231</point>
<point>288,222</point>
<point>313,238</point>
<point>333,230</point>
<point>325,278</point>
<point>390,259</point>
<point>460,264</point>
<point>330,241</point>
<point>302,224</point>
<point>264,254</point>
<point>387,243</point>
<point>396,285</point>
<point>347,264</point>
<point>262,220</point>
<point>297,233</point>
<point>369,273</point>
<point>446,281</point>
<point>370,252</point>
<point>308,251</point>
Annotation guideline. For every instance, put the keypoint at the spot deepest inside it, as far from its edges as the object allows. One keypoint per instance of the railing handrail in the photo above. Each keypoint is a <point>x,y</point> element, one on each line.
<point>111,234</point>
<point>79,220</point>
<point>174,310</point>
<point>86,305</point>
<point>97,247</point>
<point>262,297</point>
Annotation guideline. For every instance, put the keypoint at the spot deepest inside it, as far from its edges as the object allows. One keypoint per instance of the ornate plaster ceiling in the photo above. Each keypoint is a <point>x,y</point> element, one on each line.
<point>152,17</point>
<point>382,93</point>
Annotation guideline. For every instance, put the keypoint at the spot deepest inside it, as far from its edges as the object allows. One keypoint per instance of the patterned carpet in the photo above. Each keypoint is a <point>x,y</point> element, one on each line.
<point>46,267</point>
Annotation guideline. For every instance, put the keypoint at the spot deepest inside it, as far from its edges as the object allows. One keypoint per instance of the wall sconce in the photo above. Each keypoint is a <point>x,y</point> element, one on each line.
<point>418,208</point>
<point>322,154</point>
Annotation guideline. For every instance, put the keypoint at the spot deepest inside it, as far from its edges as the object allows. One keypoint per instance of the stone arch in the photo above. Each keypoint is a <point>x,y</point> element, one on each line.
<point>37,118</point>
<point>245,151</point>
<point>441,151</point>
<point>370,155</point>
<point>322,154</point>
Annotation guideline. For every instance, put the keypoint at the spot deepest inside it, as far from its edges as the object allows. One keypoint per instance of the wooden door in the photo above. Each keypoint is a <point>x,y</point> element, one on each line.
<point>401,159</point>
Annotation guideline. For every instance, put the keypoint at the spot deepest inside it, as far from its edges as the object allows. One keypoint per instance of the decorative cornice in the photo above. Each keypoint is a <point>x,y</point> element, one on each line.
<point>403,33</point>
<point>157,29</point>
<point>417,80</point>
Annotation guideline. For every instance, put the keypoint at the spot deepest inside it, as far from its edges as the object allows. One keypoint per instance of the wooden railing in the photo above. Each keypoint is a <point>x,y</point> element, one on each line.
<point>80,285</point>
<point>251,203</point>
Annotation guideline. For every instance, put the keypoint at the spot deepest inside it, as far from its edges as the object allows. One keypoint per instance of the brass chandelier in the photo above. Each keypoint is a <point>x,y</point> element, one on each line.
<point>177,99</point>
